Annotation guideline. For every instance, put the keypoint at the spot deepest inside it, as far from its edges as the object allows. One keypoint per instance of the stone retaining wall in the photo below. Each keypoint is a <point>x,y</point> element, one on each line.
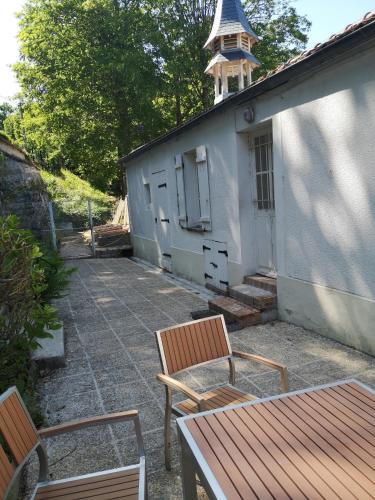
<point>22,191</point>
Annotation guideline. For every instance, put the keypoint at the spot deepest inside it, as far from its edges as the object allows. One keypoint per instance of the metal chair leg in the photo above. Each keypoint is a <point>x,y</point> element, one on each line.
<point>167,427</point>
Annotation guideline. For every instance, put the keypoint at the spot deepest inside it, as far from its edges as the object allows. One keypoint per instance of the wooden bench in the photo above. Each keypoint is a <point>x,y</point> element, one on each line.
<point>193,344</point>
<point>20,439</point>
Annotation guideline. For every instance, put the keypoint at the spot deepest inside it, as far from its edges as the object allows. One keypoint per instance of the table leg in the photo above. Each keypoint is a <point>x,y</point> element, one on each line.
<point>189,483</point>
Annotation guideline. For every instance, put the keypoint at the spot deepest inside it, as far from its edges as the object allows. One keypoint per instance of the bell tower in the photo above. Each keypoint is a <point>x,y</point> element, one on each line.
<point>230,41</point>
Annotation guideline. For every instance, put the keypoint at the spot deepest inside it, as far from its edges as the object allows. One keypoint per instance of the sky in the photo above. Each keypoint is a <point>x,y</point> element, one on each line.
<point>327,17</point>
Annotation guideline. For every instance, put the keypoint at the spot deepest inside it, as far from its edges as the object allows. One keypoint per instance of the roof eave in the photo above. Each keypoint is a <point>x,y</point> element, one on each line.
<point>363,36</point>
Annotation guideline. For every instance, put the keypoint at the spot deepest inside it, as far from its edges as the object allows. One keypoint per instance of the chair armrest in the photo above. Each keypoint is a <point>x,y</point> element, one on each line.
<point>268,362</point>
<point>179,386</point>
<point>88,422</point>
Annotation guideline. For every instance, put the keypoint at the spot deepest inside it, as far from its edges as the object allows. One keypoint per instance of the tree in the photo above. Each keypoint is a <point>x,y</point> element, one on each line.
<point>88,80</point>
<point>5,110</point>
<point>184,28</point>
<point>101,77</point>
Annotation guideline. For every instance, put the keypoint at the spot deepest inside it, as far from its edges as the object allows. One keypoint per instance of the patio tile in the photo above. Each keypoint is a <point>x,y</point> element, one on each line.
<point>320,372</point>
<point>65,387</point>
<point>107,377</point>
<point>154,449</point>
<point>144,353</point>
<point>112,362</point>
<point>151,418</point>
<point>165,485</point>
<point>269,384</point>
<point>59,409</point>
<point>211,374</point>
<point>102,345</point>
<point>90,326</point>
<point>122,397</point>
<point>73,366</point>
<point>119,323</point>
<point>367,377</point>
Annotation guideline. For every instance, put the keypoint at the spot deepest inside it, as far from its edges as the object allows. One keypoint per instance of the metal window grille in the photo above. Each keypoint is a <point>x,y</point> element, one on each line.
<point>264,171</point>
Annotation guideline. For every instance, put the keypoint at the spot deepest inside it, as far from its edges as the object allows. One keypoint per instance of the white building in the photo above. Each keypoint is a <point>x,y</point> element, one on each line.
<point>276,179</point>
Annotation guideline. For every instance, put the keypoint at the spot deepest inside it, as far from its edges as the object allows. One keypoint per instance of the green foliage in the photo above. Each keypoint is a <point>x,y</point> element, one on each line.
<point>70,194</point>
<point>29,279</point>
<point>101,77</point>
<point>5,110</point>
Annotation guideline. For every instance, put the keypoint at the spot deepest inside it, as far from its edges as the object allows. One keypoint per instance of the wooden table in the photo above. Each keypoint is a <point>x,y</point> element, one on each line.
<point>315,443</point>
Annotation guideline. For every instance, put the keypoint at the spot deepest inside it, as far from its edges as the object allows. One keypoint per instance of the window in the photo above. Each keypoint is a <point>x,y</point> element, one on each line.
<point>193,195</point>
<point>217,45</point>
<point>230,42</point>
<point>245,42</point>
<point>147,191</point>
<point>264,171</point>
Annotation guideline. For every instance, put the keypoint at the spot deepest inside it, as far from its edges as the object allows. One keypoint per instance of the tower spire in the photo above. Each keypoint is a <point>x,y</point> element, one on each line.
<point>231,40</point>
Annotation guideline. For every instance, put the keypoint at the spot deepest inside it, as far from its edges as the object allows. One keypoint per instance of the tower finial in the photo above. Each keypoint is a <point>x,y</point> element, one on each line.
<point>231,40</point>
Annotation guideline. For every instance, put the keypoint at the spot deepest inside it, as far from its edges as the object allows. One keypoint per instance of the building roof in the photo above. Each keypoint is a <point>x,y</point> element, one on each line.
<point>230,19</point>
<point>232,55</point>
<point>353,36</point>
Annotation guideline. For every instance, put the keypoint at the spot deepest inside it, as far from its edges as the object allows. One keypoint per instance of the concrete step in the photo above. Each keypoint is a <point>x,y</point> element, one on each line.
<point>115,239</point>
<point>113,252</point>
<point>253,296</point>
<point>51,351</point>
<point>269,284</point>
<point>235,311</point>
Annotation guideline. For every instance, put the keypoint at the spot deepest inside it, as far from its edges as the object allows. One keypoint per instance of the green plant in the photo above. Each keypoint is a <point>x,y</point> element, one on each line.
<point>70,195</point>
<point>29,280</point>
<point>55,274</point>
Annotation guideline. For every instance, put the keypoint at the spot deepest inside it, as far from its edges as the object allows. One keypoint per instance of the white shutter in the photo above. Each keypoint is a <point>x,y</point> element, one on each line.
<point>204,187</point>
<point>179,167</point>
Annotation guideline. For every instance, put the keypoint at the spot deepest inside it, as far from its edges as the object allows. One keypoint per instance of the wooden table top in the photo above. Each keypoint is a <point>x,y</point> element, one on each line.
<point>317,443</point>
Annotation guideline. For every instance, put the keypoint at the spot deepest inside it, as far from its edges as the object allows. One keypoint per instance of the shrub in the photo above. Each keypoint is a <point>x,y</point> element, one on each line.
<point>70,195</point>
<point>29,280</point>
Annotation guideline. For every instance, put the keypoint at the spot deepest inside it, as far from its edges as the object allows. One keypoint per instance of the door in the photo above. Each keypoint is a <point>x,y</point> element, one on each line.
<point>216,264</point>
<point>161,217</point>
<point>264,202</point>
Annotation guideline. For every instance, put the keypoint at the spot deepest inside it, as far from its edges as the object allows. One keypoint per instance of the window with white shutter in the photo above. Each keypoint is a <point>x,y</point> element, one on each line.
<point>193,190</point>
<point>204,186</point>
<point>179,167</point>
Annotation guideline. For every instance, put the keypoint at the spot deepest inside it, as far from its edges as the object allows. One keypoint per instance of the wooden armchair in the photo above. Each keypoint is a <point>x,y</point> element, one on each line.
<point>21,439</point>
<point>197,343</point>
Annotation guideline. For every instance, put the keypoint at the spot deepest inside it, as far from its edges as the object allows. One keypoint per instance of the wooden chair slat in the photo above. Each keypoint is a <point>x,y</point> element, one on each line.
<point>16,428</point>
<point>23,424</point>
<point>122,484</point>
<point>216,398</point>
<point>92,482</point>
<point>6,472</point>
<point>193,343</point>
<point>222,338</point>
<point>9,432</point>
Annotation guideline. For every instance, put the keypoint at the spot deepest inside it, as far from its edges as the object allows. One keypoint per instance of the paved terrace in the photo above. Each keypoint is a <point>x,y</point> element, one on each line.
<point>111,313</point>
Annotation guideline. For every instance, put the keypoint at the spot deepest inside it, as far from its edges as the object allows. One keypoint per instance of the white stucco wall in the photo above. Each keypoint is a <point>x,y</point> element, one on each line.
<point>219,137</point>
<point>324,163</point>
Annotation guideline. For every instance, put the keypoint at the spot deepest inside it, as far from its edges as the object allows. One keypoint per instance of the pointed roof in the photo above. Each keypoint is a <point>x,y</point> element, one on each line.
<point>229,19</point>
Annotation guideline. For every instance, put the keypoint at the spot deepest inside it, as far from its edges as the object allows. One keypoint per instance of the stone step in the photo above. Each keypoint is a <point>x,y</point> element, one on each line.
<point>113,240</point>
<point>51,351</point>
<point>269,284</point>
<point>253,296</point>
<point>235,311</point>
<point>113,252</point>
